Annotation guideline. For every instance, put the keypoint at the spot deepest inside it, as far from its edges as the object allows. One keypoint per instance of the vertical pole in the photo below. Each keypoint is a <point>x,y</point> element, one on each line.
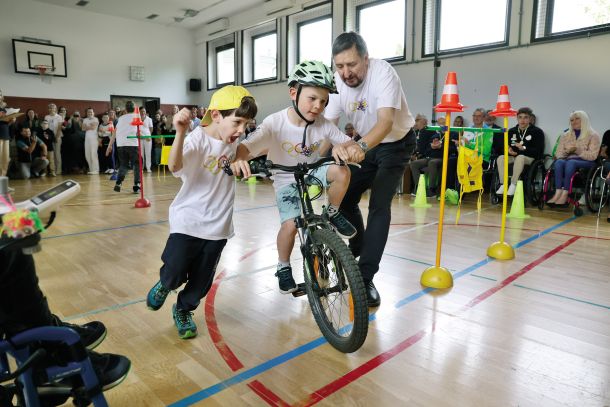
<point>140,163</point>
<point>439,240</point>
<point>505,191</point>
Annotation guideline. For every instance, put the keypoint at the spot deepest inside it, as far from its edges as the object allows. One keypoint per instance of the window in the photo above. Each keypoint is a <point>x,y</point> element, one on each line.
<point>554,18</point>
<point>259,52</point>
<point>366,16</point>
<point>225,64</point>
<point>221,61</point>
<point>464,25</point>
<point>310,36</point>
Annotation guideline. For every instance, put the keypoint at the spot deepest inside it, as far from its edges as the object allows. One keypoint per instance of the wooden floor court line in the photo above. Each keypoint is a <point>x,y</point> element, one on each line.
<point>239,378</point>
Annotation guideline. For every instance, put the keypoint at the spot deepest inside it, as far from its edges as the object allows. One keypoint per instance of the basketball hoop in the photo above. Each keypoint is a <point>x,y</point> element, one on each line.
<point>45,72</point>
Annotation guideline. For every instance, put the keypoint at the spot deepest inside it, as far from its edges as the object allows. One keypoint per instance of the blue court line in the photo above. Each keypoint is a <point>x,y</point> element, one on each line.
<point>249,373</point>
<point>136,225</point>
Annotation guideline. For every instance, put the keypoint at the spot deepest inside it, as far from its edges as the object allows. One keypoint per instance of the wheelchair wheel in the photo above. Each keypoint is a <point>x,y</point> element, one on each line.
<point>534,182</point>
<point>548,188</point>
<point>336,292</point>
<point>495,184</point>
<point>596,192</point>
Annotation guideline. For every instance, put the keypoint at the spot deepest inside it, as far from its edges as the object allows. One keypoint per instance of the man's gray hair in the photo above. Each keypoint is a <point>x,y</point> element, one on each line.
<point>347,40</point>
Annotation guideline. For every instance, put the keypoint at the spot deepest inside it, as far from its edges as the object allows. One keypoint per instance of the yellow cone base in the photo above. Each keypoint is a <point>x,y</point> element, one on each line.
<point>501,251</point>
<point>420,197</point>
<point>436,277</point>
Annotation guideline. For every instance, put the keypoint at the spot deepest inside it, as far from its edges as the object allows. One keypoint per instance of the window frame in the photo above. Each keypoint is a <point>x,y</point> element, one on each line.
<point>437,33</point>
<point>287,43</point>
<point>273,28</point>
<point>548,26</point>
<point>226,42</point>
<point>298,33</point>
<point>374,3</point>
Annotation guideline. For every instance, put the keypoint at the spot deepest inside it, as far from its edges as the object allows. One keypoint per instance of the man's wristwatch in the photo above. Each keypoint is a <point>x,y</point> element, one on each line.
<point>363,145</point>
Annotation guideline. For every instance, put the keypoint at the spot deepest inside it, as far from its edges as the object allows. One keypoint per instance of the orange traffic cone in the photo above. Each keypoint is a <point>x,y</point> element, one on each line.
<point>137,120</point>
<point>503,107</point>
<point>450,101</point>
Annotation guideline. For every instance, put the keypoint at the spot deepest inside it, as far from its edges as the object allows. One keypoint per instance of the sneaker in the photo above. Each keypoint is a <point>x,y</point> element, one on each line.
<point>342,226</point>
<point>285,280</point>
<point>511,190</point>
<point>156,296</point>
<point>430,193</point>
<point>92,172</point>
<point>91,334</point>
<point>53,174</point>
<point>10,110</point>
<point>184,322</point>
<point>136,188</point>
<point>110,369</point>
<point>500,190</point>
<point>117,188</point>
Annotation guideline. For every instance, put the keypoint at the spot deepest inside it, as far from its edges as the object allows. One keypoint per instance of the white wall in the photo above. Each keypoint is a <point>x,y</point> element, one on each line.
<point>99,51</point>
<point>553,78</point>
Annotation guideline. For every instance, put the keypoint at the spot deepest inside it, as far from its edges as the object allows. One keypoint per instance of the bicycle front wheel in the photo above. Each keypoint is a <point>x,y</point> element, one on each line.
<point>336,291</point>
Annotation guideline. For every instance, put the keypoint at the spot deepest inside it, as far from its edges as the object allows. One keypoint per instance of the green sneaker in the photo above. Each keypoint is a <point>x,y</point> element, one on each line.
<point>184,322</point>
<point>156,296</point>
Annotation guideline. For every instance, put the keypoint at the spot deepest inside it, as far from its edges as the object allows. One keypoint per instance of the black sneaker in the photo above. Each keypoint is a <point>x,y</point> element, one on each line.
<point>110,369</point>
<point>285,280</point>
<point>342,226</point>
<point>136,188</point>
<point>91,334</point>
<point>117,188</point>
<point>430,193</point>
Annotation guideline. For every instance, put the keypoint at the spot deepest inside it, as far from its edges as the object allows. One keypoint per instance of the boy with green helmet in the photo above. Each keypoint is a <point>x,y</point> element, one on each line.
<point>295,135</point>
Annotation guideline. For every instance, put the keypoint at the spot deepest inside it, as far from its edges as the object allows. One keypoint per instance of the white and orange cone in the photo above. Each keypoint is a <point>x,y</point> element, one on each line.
<point>450,101</point>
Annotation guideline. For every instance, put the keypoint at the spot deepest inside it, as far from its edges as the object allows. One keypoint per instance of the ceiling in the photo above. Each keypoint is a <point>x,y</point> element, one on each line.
<point>173,13</point>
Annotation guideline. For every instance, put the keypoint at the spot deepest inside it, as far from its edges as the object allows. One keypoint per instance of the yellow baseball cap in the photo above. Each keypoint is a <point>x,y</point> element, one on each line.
<point>226,98</point>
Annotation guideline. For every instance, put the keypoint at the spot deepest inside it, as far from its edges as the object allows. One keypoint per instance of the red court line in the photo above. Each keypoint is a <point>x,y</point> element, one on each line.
<point>361,370</point>
<point>223,348</point>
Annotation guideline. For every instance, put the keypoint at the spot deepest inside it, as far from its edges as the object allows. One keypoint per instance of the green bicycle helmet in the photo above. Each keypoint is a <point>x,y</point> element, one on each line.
<point>313,73</point>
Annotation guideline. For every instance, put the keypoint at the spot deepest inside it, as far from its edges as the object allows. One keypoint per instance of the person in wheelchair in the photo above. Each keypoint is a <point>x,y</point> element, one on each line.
<point>526,143</point>
<point>578,148</point>
<point>23,306</point>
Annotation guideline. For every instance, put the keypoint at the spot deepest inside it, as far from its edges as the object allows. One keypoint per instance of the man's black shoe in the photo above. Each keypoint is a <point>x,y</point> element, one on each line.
<point>372,295</point>
<point>110,369</point>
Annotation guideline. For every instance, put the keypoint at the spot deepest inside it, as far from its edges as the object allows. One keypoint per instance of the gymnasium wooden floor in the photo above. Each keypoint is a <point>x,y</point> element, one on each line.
<point>534,331</point>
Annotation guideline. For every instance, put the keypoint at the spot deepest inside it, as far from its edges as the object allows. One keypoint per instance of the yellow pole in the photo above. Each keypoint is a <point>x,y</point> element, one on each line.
<point>439,240</point>
<point>505,191</point>
<point>502,250</point>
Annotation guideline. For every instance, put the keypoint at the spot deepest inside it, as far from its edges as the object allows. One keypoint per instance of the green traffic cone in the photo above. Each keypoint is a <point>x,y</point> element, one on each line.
<point>420,197</point>
<point>517,208</point>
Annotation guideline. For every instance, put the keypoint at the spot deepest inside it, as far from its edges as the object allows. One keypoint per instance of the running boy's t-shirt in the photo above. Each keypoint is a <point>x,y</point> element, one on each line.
<point>283,141</point>
<point>203,207</point>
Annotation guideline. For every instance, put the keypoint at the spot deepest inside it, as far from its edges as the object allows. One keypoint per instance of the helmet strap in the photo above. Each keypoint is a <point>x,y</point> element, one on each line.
<point>308,122</point>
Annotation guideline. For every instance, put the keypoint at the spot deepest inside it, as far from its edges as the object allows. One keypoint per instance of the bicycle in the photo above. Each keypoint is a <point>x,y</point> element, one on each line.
<point>333,282</point>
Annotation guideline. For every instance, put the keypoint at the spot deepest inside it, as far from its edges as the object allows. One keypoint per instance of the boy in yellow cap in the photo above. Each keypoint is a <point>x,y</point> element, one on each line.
<point>200,222</point>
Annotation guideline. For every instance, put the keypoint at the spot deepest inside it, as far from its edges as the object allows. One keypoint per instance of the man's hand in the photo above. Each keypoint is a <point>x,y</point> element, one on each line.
<point>241,167</point>
<point>512,152</point>
<point>109,150</point>
<point>182,120</point>
<point>349,151</point>
<point>436,144</point>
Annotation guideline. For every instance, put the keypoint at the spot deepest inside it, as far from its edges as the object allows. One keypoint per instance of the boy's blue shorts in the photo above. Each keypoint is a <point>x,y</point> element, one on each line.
<point>288,199</point>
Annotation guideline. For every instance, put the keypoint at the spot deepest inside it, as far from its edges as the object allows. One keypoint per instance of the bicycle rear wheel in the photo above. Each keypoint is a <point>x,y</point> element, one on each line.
<point>336,291</point>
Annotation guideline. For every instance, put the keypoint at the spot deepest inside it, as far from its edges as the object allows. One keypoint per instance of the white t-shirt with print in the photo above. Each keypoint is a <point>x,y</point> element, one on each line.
<point>380,88</point>
<point>54,123</point>
<point>203,207</point>
<point>283,140</point>
<point>124,129</point>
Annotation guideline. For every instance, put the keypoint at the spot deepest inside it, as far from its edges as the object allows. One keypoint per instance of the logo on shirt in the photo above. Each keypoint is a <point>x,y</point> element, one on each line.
<point>360,105</point>
<point>216,164</point>
<point>294,150</point>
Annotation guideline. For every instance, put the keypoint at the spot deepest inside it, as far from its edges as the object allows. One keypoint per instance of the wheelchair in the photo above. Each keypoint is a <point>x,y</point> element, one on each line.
<point>69,375</point>
<point>597,191</point>
<point>575,191</point>
<point>533,174</point>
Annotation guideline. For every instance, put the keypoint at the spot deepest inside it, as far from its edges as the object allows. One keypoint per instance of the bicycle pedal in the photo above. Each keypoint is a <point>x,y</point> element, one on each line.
<point>300,290</point>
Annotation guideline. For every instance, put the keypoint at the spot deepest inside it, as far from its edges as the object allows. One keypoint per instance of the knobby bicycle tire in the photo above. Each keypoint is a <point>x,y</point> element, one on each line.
<point>337,296</point>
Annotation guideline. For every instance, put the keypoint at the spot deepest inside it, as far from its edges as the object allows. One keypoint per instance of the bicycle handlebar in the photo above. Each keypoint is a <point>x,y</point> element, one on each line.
<point>303,167</point>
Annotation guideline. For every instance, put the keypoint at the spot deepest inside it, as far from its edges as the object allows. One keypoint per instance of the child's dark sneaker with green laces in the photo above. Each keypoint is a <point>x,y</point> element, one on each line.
<point>184,322</point>
<point>156,296</point>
